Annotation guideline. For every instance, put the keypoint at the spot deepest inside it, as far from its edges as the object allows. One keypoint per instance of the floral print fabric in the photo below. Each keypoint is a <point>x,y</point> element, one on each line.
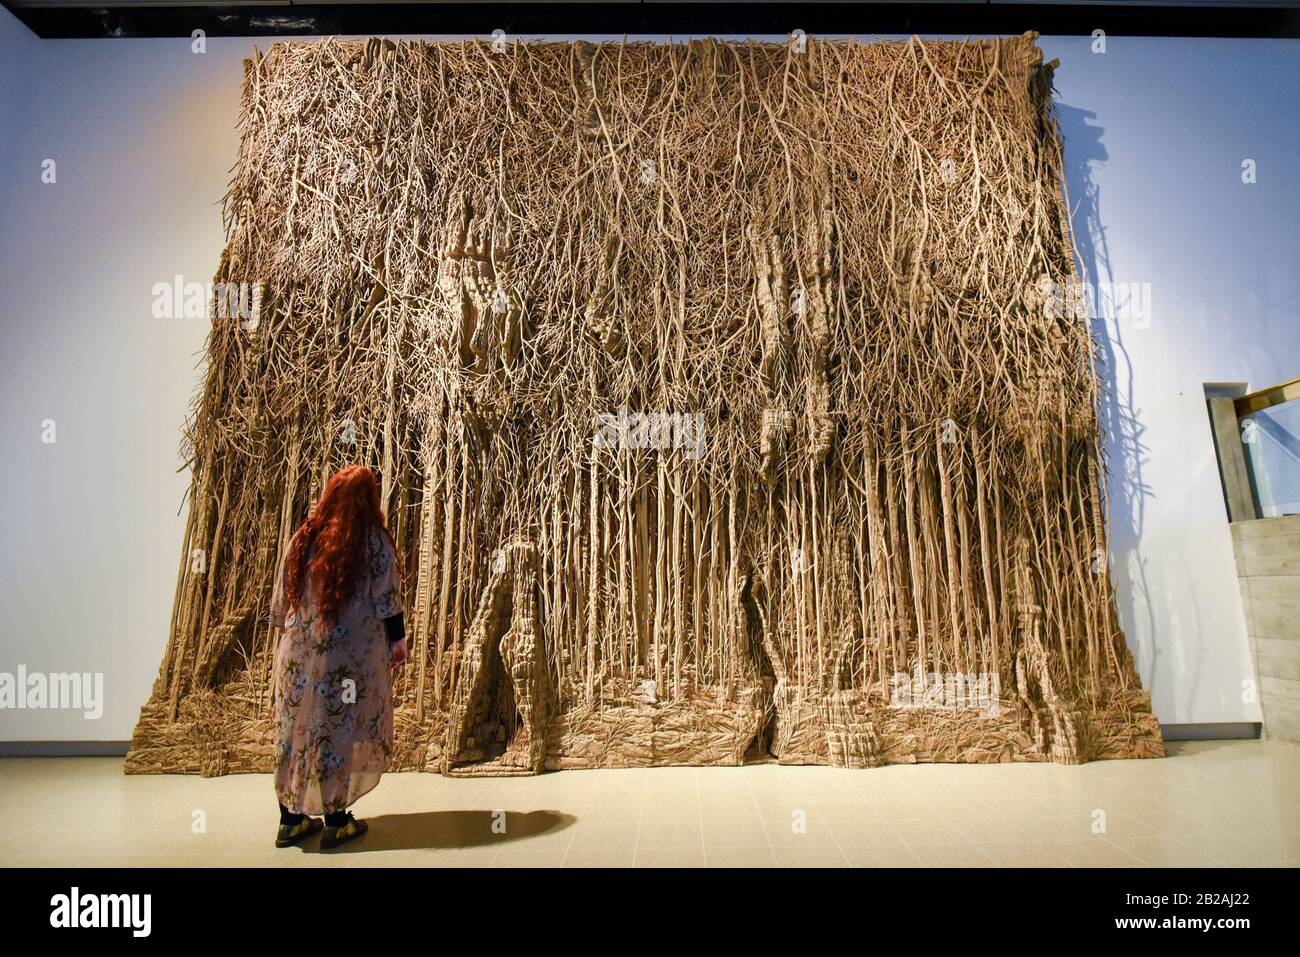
<point>333,700</point>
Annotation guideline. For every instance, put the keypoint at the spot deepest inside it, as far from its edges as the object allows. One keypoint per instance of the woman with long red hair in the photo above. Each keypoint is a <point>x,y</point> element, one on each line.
<point>339,600</point>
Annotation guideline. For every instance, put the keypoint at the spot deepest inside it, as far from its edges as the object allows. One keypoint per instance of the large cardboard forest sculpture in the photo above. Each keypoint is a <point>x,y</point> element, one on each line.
<point>720,392</point>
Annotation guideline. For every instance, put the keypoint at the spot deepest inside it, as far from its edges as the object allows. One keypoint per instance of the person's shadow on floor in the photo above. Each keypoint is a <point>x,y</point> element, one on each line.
<point>448,829</point>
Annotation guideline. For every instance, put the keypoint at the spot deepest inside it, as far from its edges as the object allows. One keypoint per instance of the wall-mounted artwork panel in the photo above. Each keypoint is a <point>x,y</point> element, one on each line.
<point>730,402</point>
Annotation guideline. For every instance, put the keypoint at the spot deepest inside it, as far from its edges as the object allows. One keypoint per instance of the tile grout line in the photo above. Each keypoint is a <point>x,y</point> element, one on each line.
<point>640,818</point>
<point>699,816</point>
<point>749,786</point>
<point>574,833</point>
<point>889,824</point>
<point>843,857</point>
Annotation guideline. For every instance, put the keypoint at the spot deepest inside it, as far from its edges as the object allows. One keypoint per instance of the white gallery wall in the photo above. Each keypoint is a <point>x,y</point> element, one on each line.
<point>142,135</point>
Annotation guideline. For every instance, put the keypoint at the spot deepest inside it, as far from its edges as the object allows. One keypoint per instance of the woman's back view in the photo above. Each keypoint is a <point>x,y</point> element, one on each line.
<point>339,603</point>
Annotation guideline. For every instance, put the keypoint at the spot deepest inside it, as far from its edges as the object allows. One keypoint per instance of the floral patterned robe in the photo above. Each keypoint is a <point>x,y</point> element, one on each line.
<point>333,700</point>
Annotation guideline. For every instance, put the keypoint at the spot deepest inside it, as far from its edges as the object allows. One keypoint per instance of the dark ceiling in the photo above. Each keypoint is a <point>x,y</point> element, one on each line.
<point>161,18</point>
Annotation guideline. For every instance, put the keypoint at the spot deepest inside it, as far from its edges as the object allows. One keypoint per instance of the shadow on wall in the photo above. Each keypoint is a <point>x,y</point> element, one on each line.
<point>1124,452</point>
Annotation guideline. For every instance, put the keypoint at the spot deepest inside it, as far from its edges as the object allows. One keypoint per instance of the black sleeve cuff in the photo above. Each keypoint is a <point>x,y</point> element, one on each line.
<point>395,628</point>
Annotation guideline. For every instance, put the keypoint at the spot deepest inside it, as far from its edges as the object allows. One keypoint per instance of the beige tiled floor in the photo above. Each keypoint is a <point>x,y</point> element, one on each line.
<point>1208,803</point>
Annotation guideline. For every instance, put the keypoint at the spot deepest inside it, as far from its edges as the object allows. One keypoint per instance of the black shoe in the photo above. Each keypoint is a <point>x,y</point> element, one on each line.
<point>290,834</point>
<point>334,836</point>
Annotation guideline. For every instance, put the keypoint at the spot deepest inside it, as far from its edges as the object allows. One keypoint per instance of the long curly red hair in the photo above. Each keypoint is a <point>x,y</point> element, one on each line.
<point>334,536</point>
